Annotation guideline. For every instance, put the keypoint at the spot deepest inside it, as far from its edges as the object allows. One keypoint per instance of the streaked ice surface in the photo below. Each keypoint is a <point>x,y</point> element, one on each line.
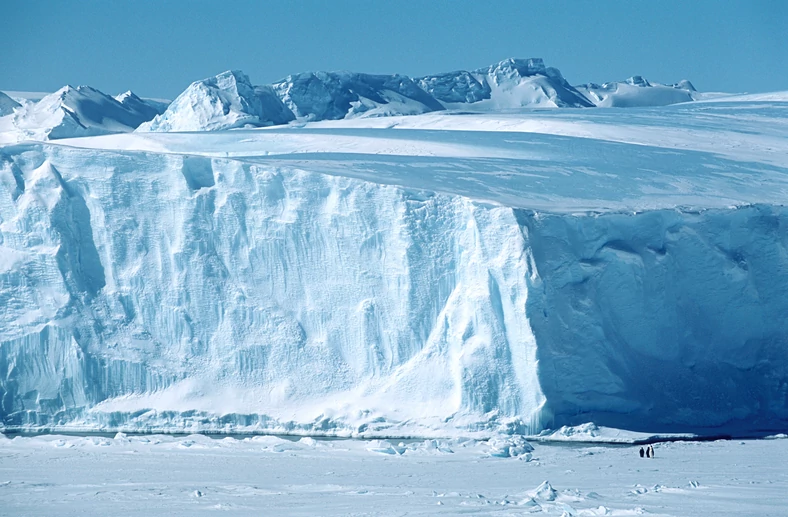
<point>160,475</point>
<point>435,275</point>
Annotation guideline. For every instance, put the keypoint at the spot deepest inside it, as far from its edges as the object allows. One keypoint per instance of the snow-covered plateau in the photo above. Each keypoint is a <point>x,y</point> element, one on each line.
<point>443,274</point>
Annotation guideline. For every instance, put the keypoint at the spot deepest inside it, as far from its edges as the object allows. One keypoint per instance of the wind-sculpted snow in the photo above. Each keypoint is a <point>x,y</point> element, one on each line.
<point>335,279</point>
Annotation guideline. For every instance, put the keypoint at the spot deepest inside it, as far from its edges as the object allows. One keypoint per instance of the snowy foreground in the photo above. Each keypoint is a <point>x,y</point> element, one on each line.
<point>197,475</point>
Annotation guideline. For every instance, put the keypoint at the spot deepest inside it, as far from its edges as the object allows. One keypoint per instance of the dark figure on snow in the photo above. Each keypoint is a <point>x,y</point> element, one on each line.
<point>648,451</point>
<point>641,452</point>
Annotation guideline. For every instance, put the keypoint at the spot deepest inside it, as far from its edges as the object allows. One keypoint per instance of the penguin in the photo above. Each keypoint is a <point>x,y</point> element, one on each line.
<point>641,452</point>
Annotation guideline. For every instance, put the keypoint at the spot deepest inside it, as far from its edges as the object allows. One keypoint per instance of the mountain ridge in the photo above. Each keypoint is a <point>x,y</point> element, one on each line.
<point>229,100</point>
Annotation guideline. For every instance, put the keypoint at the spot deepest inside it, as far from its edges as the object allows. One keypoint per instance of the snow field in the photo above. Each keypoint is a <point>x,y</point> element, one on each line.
<point>93,475</point>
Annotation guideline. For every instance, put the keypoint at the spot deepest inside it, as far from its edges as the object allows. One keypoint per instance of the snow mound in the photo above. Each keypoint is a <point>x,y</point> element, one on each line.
<point>225,101</point>
<point>72,112</point>
<point>386,447</point>
<point>509,447</point>
<point>545,492</point>
<point>511,83</point>
<point>7,104</point>
<point>637,92</point>
<point>337,95</point>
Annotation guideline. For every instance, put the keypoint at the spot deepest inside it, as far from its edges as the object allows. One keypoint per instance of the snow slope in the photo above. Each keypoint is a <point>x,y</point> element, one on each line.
<point>637,91</point>
<point>225,101</point>
<point>7,104</point>
<point>433,275</point>
<point>146,109</point>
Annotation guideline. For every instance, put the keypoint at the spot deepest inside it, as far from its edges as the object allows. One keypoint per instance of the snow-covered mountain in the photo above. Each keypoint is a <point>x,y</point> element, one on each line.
<point>71,112</point>
<point>229,100</point>
<point>512,83</point>
<point>451,273</point>
<point>225,101</point>
<point>636,92</point>
<point>336,95</point>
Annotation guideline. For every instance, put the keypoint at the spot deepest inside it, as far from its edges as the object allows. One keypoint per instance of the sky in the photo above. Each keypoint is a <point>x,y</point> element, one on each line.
<point>157,48</point>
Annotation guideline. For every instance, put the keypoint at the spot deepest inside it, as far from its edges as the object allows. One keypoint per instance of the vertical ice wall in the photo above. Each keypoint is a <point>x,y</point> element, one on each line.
<point>151,290</point>
<point>162,291</point>
<point>663,320</point>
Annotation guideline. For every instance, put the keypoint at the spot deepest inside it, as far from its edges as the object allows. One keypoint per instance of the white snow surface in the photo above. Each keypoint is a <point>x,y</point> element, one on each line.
<point>436,275</point>
<point>268,475</point>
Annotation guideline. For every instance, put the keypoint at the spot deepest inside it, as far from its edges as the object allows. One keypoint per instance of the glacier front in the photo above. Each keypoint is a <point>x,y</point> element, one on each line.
<point>441,274</point>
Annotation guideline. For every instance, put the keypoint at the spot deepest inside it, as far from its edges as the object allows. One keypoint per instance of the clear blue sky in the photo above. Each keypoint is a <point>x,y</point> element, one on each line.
<point>157,48</point>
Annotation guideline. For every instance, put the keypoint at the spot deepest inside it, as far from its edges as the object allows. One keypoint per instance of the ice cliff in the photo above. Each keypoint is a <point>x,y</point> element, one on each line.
<point>427,282</point>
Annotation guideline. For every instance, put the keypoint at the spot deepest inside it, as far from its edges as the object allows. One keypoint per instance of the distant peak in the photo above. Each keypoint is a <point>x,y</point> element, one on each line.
<point>684,84</point>
<point>523,67</point>
<point>128,94</point>
<point>637,80</point>
<point>235,76</point>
